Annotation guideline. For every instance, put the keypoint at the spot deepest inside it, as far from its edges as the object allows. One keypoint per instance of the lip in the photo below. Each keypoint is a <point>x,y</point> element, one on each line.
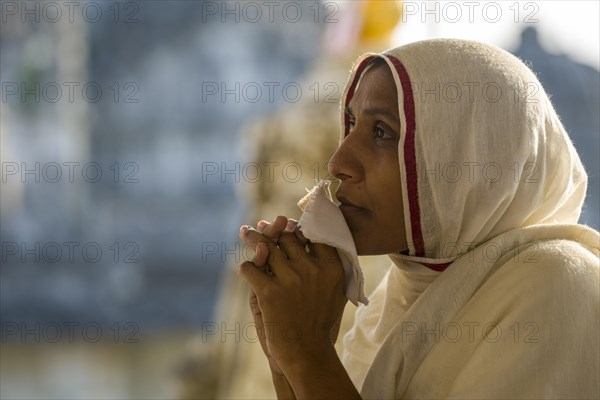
<point>347,206</point>
<point>348,209</point>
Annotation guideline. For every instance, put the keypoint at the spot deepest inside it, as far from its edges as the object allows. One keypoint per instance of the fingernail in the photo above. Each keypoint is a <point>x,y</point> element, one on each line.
<point>290,225</point>
<point>244,228</point>
<point>262,224</point>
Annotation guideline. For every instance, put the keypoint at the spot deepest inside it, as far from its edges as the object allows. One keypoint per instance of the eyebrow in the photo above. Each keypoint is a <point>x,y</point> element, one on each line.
<point>375,111</point>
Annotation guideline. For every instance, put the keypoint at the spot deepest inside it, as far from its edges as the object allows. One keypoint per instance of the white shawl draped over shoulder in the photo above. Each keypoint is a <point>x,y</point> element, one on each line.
<point>492,186</point>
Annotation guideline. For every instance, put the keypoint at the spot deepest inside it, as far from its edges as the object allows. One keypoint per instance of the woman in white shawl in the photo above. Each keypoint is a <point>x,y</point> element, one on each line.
<point>453,162</point>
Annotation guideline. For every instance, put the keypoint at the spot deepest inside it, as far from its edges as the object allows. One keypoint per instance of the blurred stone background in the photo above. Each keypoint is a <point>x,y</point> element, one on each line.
<point>166,210</point>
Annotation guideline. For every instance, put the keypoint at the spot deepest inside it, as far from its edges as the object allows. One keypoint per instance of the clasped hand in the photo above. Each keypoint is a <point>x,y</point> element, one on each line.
<point>297,292</point>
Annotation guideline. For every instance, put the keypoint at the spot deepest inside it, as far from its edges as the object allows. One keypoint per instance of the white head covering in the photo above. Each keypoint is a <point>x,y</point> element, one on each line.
<point>488,171</point>
<point>482,150</point>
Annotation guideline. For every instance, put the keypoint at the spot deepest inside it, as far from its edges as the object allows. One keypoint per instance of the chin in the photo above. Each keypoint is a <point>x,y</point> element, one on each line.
<point>368,244</point>
<point>372,246</point>
<point>367,248</point>
<point>369,252</point>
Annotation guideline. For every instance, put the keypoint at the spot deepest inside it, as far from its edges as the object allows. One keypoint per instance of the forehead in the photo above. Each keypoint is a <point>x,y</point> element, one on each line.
<point>376,85</point>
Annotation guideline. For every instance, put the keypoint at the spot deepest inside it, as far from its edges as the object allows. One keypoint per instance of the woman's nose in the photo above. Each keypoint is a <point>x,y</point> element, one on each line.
<point>343,164</point>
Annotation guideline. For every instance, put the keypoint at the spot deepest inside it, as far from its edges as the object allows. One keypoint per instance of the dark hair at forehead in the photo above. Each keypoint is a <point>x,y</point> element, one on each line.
<point>372,63</point>
<point>375,62</point>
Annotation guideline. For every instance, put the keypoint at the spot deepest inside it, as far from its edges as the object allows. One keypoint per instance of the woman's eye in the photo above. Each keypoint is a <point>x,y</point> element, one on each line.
<point>381,134</point>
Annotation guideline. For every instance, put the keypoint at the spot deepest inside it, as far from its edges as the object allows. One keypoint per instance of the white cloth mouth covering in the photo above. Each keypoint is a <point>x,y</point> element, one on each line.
<point>323,222</point>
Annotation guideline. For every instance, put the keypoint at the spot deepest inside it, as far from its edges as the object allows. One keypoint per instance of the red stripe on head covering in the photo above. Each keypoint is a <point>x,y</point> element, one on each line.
<point>351,89</point>
<point>410,158</point>
<point>436,267</point>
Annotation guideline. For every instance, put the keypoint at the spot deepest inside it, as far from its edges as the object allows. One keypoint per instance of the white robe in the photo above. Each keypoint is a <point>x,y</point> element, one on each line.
<point>524,326</point>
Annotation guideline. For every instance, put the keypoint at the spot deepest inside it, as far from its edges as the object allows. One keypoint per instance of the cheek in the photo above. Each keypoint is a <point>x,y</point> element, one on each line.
<point>388,178</point>
<point>388,200</point>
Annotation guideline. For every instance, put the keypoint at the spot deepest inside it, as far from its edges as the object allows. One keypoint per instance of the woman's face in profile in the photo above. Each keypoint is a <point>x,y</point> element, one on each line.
<point>366,162</point>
